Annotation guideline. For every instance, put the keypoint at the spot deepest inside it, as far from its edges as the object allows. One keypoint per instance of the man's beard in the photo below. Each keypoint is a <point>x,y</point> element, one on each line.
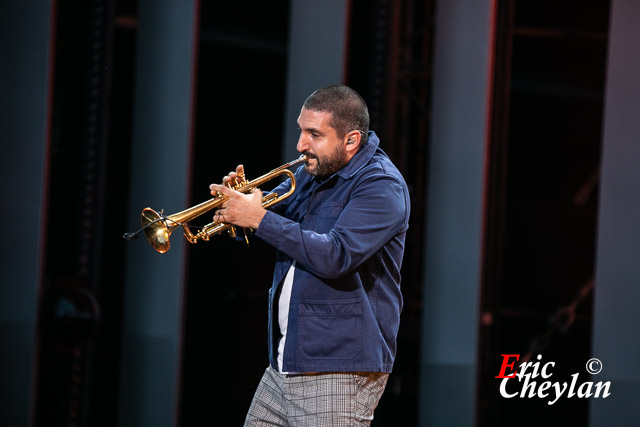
<point>327,165</point>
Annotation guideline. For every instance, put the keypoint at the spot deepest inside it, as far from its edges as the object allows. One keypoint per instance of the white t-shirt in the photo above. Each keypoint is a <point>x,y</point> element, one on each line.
<point>283,311</point>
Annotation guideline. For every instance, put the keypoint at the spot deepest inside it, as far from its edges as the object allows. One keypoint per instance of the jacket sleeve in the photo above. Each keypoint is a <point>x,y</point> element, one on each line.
<point>377,210</point>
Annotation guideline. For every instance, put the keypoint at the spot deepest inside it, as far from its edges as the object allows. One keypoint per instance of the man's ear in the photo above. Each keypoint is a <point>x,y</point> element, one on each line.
<point>353,140</point>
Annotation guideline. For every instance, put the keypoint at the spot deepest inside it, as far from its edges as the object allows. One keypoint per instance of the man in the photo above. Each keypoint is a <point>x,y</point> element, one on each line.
<point>335,300</point>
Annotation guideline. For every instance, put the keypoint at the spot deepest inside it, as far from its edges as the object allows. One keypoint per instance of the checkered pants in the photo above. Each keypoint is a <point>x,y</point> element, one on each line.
<point>322,399</point>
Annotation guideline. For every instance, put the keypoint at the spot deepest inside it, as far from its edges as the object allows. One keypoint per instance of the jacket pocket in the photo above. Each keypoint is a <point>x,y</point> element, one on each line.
<point>324,218</point>
<point>330,329</point>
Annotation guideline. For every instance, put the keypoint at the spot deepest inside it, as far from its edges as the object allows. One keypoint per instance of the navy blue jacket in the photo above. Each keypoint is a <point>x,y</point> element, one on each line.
<point>347,236</point>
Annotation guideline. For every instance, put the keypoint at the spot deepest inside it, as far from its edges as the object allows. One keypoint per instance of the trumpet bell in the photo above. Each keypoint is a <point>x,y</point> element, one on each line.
<point>156,230</point>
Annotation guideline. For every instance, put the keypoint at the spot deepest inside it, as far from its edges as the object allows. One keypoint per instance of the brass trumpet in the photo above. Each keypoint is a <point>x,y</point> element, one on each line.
<point>157,227</point>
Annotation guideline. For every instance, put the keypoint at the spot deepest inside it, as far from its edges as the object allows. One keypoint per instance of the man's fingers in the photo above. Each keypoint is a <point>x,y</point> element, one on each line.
<point>215,188</point>
<point>230,178</point>
<point>218,216</point>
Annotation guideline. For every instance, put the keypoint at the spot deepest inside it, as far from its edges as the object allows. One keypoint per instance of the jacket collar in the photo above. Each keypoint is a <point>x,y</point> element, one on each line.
<point>361,158</point>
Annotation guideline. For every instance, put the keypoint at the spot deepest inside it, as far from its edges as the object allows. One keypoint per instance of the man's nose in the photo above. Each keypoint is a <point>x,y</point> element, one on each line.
<point>303,144</point>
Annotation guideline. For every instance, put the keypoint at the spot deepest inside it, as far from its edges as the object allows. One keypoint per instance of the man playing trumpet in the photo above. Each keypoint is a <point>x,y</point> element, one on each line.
<point>335,300</point>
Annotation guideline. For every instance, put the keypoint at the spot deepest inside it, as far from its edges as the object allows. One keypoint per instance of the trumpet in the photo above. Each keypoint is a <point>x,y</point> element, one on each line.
<point>158,227</point>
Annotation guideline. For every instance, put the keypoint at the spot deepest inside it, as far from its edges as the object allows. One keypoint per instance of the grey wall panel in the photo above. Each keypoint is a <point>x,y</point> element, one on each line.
<point>317,48</point>
<point>452,259</point>
<point>616,327</point>
<point>160,178</point>
<point>25,31</point>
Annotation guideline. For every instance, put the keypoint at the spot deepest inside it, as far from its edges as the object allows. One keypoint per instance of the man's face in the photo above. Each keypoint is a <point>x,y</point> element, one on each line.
<point>319,141</point>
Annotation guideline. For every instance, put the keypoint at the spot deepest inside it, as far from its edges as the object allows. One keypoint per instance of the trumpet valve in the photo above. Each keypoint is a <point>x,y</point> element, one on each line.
<point>242,180</point>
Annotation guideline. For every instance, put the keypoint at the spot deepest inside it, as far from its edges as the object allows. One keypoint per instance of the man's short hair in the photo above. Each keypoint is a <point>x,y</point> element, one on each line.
<point>348,109</point>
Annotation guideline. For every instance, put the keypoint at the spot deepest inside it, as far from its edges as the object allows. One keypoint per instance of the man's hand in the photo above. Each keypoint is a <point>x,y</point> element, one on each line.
<point>243,210</point>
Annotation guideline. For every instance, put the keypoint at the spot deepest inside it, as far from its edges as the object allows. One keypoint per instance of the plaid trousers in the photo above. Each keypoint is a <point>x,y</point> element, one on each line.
<point>317,399</point>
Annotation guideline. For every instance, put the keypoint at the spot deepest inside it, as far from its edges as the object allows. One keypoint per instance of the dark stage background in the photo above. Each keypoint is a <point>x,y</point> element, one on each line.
<point>496,113</point>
